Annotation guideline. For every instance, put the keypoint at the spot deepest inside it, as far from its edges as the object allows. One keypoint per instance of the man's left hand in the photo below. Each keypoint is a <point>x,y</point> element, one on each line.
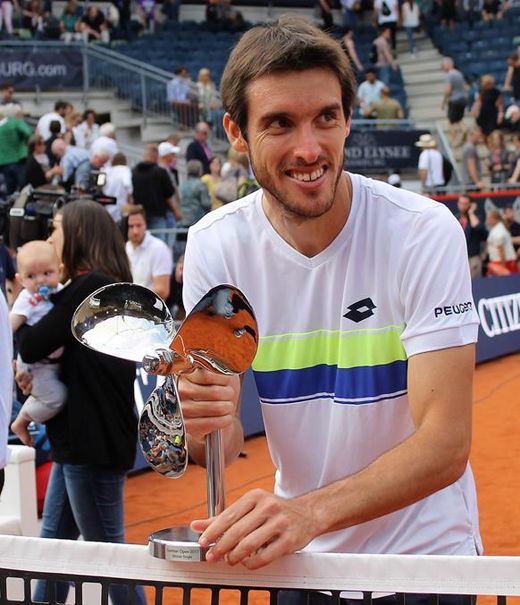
<point>257,529</point>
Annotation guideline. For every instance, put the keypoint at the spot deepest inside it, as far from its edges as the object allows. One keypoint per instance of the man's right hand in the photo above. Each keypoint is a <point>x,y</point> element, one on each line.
<point>209,401</point>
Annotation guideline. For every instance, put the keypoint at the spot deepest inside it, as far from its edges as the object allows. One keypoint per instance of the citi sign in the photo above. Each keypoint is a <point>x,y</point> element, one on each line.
<point>500,315</point>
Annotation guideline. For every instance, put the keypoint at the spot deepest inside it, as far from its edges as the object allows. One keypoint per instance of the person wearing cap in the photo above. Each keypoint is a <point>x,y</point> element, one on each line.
<point>430,164</point>
<point>105,140</point>
<point>395,179</point>
<point>167,154</point>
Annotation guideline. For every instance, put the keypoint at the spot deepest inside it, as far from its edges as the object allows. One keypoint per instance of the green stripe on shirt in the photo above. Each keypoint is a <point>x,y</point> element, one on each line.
<point>344,349</point>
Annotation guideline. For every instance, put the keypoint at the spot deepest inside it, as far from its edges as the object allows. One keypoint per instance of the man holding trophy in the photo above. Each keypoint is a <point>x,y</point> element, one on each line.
<point>366,327</point>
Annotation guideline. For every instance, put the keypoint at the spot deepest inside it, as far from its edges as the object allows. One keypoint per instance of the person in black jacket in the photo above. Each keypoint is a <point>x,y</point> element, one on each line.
<point>38,171</point>
<point>199,148</point>
<point>476,234</point>
<point>93,439</point>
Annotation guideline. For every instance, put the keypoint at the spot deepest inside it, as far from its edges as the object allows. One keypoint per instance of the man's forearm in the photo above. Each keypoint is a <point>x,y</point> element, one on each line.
<point>397,479</point>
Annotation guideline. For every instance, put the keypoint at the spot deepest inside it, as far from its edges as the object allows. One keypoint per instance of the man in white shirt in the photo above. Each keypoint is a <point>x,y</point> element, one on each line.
<point>105,140</point>
<point>6,382</point>
<point>61,109</point>
<point>118,185</point>
<point>369,91</point>
<point>431,172</point>
<point>150,258</point>
<point>364,374</point>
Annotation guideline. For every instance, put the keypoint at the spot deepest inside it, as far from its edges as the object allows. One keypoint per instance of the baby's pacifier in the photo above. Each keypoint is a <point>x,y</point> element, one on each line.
<point>44,291</point>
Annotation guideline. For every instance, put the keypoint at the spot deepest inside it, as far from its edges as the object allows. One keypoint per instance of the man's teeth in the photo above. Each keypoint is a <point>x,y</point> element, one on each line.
<point>305,176</point>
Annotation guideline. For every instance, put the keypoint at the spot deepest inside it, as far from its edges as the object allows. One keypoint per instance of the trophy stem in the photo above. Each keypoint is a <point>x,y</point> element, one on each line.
<point>215,474</point>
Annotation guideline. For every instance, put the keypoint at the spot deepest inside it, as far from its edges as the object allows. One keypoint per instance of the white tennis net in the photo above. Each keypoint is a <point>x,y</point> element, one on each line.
<point>25,560</point>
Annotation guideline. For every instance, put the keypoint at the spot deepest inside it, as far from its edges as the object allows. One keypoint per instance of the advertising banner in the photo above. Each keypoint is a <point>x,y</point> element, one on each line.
<point>28,68</point>
<point>497,301</point>
<point>382,150</point>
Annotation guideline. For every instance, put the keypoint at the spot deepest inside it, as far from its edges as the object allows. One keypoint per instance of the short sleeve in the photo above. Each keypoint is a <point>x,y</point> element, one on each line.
<point>162,261</point>
<point>423,161</point>
<point>435,285</point>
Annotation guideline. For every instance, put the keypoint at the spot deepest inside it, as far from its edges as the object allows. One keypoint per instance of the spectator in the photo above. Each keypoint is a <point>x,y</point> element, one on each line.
<point>214,17</point>
<point>513,226</point>
<point>6,383</point>
<point>170,9</point>
<point>411,20</point>
<point>209,100</point>
<point>498,159</point>
<point>514,175</point>
<point>55,130</point>
<point>233,19</point>
<point>74,163</point>
<point>394,178</point>
<point>93,25</point>
<point>501,252</point>
<point>212,180</point>
<point>7,94</point>
<point>325,9</point>
<point>448,13</point>
<point>349,46</point>
<point>167,154</point>
<point>199,149</point>
<point>488,109</point>
<point>471,168</point>
<point>146,12</point>
<point>38,171</point>
<point>385,61</point>
<point>118,185</point>
<point>195,199</point>
<point>512,81</point>
<point>386,108</point>
<point>456,99</point>
<point>87,131</point>
<point>181,93</point>
<point>430,164</point>
<point>61,109</point>
<point>174,140</point>
<point>85,494</point>
<point>349,10</point>
<point>153,190</point>
<point>174,301</point>
<point>69,21</point>
<point>7,7</point>
<point>493,9</point>
<point>369,91</point>
<point>14,134</point>
<point>475,233</point>
<point>150,258</point>
<point>33,18</point>
<point>105,140</point>
<point>124,27</point>
<point>387,16</point>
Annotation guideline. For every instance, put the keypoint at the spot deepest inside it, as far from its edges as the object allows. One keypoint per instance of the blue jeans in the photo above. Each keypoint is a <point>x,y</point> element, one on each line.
<point>84,500</point>
<point>171,223</point>
<point>410,31</point>
<point>158,222</point>
<point>385,74</point>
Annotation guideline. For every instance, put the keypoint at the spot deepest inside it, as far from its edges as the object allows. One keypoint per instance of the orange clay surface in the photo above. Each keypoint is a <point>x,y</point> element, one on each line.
<point>154,502</point>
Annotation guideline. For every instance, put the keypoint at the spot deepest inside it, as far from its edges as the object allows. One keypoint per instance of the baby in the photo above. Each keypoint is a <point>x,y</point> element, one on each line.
<point>38,273</point>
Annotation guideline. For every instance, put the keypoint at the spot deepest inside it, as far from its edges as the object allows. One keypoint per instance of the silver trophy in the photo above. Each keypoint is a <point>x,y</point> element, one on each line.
<point>220,334</point>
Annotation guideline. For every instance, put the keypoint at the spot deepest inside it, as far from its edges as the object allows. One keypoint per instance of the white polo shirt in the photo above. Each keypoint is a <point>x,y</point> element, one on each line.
<point>151,259</point>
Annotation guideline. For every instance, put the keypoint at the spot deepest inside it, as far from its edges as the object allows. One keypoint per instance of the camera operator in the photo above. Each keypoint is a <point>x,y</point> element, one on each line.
<point>76,165</point>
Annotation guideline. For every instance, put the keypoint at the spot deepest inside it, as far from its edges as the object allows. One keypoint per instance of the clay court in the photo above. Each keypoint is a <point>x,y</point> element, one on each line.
<point>154,502</point>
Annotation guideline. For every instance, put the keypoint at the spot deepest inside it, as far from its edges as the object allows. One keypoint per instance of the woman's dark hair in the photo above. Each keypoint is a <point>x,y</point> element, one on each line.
<point>35,140</point>
<point>92,242</point>
<point>289,44</point>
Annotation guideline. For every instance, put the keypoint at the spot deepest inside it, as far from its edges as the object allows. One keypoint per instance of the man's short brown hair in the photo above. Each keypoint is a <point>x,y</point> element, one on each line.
<point>133,209</point>
<point>289,44</point>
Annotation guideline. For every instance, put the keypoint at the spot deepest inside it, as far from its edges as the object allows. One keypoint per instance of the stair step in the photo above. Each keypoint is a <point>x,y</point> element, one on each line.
<point>421,66</point>
<point>427,77</point>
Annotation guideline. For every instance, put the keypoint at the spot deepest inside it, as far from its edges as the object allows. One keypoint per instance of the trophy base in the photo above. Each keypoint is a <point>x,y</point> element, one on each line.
<point>176,544</point>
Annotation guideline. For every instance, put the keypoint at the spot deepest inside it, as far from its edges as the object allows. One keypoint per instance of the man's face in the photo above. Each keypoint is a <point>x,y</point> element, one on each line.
<point>136,228</point>
<point>7,93</point>
<point>202,134</point>
<point>371,77</point>
<point>295,139</point>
